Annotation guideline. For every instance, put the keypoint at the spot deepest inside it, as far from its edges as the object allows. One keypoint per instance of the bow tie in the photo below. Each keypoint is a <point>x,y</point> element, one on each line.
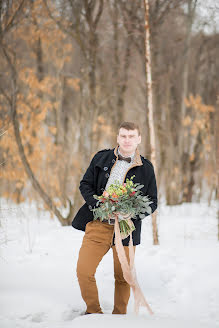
<point>127,159</point>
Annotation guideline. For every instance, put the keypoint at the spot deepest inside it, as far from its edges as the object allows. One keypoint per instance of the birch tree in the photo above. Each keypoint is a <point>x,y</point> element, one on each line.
<point>150,108</point>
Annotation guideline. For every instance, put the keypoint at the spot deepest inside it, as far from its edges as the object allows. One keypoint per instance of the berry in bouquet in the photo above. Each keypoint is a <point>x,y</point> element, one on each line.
<point>124,201</point>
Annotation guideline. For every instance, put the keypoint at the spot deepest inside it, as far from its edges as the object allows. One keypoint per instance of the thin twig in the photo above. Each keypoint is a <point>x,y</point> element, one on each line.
<point>4,132</point>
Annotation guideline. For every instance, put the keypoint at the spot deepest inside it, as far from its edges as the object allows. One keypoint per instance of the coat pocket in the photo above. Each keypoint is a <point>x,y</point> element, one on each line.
<point>83,216</point>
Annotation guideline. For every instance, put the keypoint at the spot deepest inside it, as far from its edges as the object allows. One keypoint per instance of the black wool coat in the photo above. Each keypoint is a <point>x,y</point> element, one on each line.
<point>95,180</point>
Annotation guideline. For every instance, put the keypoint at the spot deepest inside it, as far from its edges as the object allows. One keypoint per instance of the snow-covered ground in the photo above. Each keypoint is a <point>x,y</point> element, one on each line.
<point>179,277</point>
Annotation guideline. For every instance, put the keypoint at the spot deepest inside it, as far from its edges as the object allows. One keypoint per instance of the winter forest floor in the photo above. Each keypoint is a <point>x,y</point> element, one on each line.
<point>179,277</point>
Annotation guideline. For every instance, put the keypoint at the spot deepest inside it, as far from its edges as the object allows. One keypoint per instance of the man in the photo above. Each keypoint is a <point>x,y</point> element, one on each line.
<point>106,167</point>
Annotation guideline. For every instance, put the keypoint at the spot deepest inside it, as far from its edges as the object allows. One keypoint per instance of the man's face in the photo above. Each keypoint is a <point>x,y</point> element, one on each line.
<point>128,140</point>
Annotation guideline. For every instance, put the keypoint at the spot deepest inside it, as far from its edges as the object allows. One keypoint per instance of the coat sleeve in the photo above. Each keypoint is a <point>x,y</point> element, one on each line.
<point>152,192</point>
<point>87,185</point>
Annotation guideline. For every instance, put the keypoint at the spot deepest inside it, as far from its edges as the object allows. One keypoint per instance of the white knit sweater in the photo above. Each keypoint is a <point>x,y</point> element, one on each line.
<point>119,170</point>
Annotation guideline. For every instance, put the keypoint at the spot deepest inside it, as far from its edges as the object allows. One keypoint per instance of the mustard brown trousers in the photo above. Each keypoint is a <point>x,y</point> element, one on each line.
<point>96,243</point>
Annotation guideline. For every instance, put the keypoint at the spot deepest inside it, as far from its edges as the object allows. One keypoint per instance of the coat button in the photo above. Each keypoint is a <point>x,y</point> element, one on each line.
<point>107,175</point>
<point>102,189</point>
<point>90,207</point>
<point>113,161</point>
<point>105,168</point>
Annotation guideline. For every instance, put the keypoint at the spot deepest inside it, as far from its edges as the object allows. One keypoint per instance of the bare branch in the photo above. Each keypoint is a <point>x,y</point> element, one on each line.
<point>68,31</point>
<point>96,20</point>
<point>10,23</point>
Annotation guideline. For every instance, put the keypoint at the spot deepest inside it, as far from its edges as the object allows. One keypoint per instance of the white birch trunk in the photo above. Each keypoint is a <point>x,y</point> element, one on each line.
<point>150,108</point>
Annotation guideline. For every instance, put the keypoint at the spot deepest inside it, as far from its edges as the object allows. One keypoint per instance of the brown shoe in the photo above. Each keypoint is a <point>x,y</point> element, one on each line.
<point>92,313</point>
<point>87,312</point>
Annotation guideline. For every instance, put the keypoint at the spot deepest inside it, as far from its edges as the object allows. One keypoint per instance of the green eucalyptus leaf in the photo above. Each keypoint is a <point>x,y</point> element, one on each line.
<point>149,210</point>
<point>139,187</point>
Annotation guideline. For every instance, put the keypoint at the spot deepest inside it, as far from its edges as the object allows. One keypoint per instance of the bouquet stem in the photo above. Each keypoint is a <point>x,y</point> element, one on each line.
<point>126,228</point>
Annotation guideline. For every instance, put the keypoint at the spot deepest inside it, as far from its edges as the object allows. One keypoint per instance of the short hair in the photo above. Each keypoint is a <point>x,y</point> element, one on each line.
<point>129,126</point>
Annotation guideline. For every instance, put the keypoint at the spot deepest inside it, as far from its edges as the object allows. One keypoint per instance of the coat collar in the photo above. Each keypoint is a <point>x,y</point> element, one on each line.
<point>137,158</point>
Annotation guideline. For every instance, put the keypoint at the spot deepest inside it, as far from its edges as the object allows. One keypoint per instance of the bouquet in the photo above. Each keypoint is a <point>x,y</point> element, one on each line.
<point>125,201</point>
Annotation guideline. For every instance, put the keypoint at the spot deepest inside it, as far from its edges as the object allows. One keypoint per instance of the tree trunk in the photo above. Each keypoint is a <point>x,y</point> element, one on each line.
<point>34,182</point>
<point>28,170</point>
<point>150,108</point>
<point>183,147</point>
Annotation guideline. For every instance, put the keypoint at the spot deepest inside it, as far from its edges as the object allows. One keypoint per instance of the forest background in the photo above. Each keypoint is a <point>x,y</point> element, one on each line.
<point>72,71</point>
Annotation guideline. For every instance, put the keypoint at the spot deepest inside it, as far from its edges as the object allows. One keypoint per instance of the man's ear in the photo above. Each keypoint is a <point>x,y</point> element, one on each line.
<point>139,139</point>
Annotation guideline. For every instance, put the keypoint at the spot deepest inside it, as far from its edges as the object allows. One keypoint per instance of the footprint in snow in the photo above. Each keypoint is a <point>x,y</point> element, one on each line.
<point>35,317</point>
<point>71,314</point>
